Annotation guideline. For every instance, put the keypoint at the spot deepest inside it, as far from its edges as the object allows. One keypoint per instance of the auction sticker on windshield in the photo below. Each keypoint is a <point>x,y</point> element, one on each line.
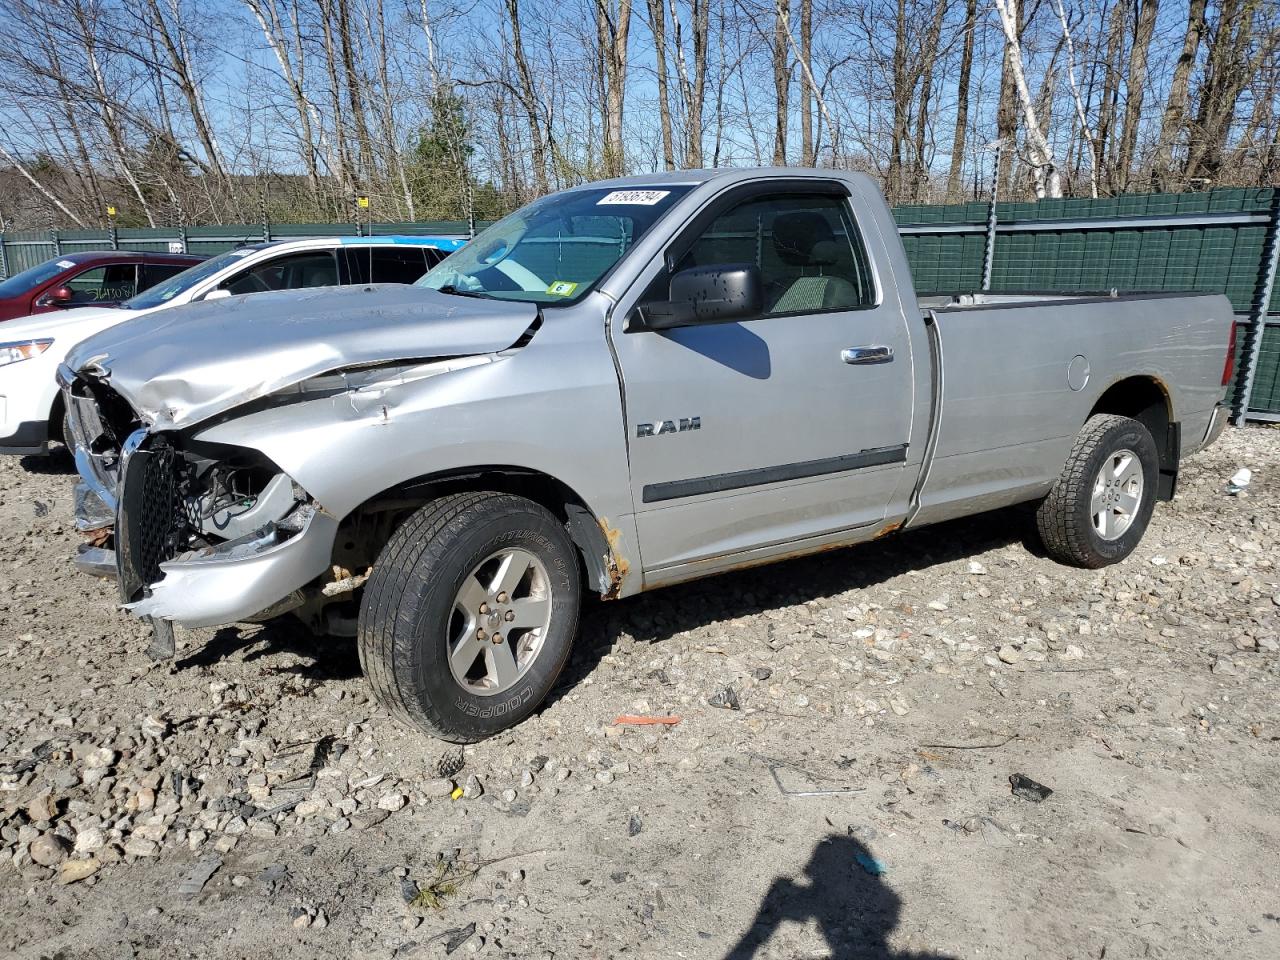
<point>643,198</point>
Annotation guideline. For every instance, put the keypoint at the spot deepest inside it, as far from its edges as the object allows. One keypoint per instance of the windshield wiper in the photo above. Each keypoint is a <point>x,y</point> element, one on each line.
<point>449,288</point>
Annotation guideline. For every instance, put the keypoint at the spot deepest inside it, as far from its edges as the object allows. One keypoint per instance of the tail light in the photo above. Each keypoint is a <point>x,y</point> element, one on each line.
<point>1230,362</point>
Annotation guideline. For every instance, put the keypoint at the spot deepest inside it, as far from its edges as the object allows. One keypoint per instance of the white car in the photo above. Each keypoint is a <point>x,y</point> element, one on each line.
<point>31,348</point>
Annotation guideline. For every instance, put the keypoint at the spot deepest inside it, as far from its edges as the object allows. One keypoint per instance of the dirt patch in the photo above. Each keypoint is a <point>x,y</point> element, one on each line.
<point>250,801</point>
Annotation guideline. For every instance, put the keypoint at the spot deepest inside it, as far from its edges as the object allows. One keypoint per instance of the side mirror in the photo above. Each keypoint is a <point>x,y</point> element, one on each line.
<point>721,293</point>
<point>218,293</point>
<point>59,296</point>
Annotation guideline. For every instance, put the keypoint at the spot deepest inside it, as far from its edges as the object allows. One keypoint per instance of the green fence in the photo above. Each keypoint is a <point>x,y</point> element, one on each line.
<point>1221,241</point>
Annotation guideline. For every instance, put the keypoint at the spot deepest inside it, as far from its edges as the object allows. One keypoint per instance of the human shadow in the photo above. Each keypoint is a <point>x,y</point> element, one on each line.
<point>855,910</point>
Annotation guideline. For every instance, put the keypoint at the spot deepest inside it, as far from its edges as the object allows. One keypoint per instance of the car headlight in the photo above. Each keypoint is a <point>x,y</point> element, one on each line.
<point>22,350</point>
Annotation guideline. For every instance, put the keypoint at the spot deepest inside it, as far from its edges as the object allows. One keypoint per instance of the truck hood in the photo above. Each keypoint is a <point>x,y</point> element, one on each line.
<point>194,362</point>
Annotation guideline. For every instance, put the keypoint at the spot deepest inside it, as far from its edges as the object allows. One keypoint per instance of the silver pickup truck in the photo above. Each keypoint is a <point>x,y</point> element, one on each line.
<point>621,386</point>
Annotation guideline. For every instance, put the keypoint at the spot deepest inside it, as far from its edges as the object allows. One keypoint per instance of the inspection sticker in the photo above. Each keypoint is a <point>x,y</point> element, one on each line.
<point>642,198</point>
<point>66,264</point>
<point>562,288</point>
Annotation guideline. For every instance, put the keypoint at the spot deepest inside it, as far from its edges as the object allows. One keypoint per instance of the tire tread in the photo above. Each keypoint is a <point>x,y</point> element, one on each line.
<point>1055,519</point>
<point>389,609</point>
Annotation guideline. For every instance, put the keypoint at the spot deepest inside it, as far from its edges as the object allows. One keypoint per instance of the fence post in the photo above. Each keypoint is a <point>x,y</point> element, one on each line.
<point>989,253</point>
<point>53,236</point>
<point>4,253</point>
<point>1258,313</point>
<point>362,203</point>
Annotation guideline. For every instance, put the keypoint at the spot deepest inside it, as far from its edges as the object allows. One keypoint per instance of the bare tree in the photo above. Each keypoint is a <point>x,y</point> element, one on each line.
<point>956,171</point>
<point>781,80</point>
<point>613,29</point>
<point>1044,166</point>
<point>658,27</point>
<point>1174,118</point>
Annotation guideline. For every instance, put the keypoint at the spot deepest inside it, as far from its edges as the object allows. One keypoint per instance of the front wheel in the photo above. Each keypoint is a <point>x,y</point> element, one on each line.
<point>1101,503</point>
<point>470,614</point>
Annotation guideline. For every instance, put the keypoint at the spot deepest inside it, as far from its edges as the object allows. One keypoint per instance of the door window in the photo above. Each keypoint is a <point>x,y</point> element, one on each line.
<point>807,248</point>
<point>153,273</point>
<point>109,284</point>
<point>293,272</point>
<point>389,264</point>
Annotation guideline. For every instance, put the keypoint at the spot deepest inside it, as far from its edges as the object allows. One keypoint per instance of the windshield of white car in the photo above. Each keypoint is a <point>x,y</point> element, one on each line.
<point>179,283</point>
<point>555,250</point>
<point>29,279</point>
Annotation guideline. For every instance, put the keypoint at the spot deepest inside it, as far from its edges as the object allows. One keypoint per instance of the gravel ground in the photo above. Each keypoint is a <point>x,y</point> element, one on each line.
<point>250,801</point>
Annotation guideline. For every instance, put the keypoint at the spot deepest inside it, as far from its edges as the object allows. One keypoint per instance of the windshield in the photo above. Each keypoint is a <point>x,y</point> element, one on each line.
<point>29,279</point>
<point>166,290</point>
<point>555,249</point>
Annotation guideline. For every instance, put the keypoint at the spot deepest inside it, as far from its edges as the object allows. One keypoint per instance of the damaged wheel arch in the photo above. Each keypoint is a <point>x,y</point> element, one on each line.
<point>600,545</point>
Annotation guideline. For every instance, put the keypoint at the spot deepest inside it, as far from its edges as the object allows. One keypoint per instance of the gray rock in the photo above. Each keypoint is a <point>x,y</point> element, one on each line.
<point>725,699</point>
<point>48,850</point>
<point>393,801</point>
<point>1224,666</point>
<point>438,788</point>
<point>141,847</point>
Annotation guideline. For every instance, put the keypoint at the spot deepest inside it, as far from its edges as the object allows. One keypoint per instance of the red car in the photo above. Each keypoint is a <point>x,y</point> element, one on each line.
<point>98,279</point>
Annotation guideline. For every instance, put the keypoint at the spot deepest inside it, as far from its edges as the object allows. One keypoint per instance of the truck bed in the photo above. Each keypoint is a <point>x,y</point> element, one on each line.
<point>1012,393</point>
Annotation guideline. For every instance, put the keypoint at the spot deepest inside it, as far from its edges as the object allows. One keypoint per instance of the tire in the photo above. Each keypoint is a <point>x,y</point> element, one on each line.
<point>1068,527</point>
<point>413,618</point>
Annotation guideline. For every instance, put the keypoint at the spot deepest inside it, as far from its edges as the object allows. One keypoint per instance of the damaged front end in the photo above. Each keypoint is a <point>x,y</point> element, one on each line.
<point>222,452</point>
<point>194,534</point>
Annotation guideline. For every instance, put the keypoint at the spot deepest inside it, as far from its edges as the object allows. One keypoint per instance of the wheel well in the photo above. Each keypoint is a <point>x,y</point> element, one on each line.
<point>55,419</point>
<point>366,530</point>
<point>1146,400</point>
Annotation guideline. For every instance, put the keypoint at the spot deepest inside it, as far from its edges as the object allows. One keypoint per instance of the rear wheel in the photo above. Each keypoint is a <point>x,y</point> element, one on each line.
<point>470,614</point>
<point>1101,504</point>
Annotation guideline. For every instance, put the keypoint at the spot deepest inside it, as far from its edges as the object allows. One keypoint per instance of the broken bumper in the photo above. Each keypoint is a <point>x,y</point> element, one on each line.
<point>240,578</point>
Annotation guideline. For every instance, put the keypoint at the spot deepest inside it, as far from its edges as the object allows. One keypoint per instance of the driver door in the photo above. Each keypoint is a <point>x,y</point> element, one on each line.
<point>753,438</point>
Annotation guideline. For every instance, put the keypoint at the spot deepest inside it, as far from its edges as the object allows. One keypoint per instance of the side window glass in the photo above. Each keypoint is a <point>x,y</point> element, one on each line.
<point>392,265</point>
<point>293,272</point>
<point>153,273</point>
<point>807,247</point>
<point>110,284</point>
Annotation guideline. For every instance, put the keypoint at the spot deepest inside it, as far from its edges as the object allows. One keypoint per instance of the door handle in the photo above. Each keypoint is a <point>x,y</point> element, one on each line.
<point>867,354</point>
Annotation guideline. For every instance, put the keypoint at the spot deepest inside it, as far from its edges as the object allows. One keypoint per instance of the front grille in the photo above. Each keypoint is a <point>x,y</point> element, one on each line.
<point>153,522</point>
<point>155,518</point>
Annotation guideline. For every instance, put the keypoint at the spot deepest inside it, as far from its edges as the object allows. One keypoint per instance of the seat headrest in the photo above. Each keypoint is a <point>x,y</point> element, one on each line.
<point>804,239</point>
